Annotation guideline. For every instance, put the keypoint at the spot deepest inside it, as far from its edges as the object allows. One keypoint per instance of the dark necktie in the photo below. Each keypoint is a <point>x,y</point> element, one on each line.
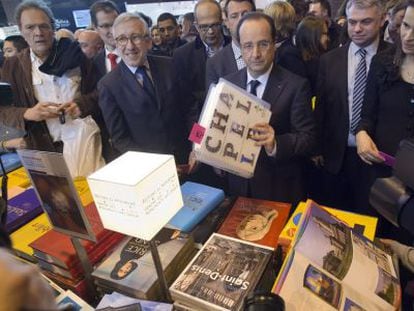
<point>253,87</point>
<point>112,59</point>
<point>146,81</point>
<point>359,90</point>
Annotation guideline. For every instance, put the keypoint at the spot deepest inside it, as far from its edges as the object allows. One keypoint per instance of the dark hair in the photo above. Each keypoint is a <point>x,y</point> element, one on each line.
<point>395,6</point>
<point>34,4</point>
<point>301,8</point>
<point>107,6</point>
<point>166,16</point>
<point>114,273</point>
<point>324,4</point>
<point>308,37</point>
<point>228,1</point>
<point>257,16</point>
<point>206,1</point>
<point>399,54</point>
<point>189,16</point>
<point>146,18</point>
<point>18,42</point>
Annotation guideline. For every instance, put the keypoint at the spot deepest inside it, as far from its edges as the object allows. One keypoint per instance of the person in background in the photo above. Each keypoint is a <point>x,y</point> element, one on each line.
<point>156,40</point>
<point>188,29</point>
<point>301,9</point>
<point>103,14</point>
<point>322,9</point>
<point>312,41</point>
<point>13,45</point>
<point>64,33</point>
<point>78,32</point>
<point>395,10</point>
<point>284,18</point>
<point>90,43</point>
<point>169,31</point>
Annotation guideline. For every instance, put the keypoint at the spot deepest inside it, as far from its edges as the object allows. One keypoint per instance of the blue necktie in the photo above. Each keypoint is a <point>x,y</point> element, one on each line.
<point>359,90</point>
<point>253,87</point>
<point>146,81</point>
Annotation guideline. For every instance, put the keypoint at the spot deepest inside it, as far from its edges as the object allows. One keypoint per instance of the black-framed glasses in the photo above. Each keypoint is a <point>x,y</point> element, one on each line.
<point>134,38</point>
<point>207,27</point>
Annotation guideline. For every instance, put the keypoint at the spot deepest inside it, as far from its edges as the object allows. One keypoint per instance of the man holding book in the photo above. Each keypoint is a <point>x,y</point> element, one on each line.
<point>290,135</point>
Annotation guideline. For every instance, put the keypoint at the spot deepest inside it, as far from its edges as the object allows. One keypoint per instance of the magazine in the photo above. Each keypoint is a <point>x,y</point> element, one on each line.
<point>330,267</point>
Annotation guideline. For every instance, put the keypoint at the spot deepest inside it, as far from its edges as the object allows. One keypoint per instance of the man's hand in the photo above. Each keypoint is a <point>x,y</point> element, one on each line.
<point>264,135</point>
<point>71,109</point>
<point>15,143</point>
<point>367,150</point>
<point>42,111</point>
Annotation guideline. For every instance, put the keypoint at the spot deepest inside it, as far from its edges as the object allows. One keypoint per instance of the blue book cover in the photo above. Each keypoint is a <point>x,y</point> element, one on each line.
<point>199,200</point>
<point>11,161</point>
<point>21,209</point>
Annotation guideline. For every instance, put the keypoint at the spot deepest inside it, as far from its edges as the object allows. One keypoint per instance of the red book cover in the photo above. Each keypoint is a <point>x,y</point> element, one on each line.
<point>256,221</point>
<point>57,248</point>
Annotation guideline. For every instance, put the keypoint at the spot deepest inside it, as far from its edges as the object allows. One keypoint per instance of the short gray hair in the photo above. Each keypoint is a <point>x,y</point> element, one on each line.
<point>33,4</point>
<point>365,4</point>
<point>126,17</point>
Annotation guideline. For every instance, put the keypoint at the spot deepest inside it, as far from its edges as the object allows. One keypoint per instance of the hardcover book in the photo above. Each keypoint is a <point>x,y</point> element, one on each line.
<point>11,161</point>
<point>227,118</point>
<point>21,209</point>
<point>17,178</point>
<point>362,224</point>
<point>222,273</point>
<point>199,200</point>
<point>130,268</point>
<point>257,221</point>
<point>330,267</point>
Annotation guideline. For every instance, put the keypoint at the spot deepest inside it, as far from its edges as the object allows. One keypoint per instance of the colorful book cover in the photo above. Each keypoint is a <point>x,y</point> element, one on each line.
<point>11,161</point>
<point>220,276</point>
<point>130,268</point>
<point>21,209</point>
<point>117,300</point>
<point>257,221</point>
<point>199,200</point>
<point>82,187</point>
<point>57,248</point>
<point>366,225</point>
<point>22,237</point>
<point>17,178</point>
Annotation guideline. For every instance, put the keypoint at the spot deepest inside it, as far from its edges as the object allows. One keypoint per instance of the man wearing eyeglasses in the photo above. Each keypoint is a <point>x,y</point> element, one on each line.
<point>169,30</point>
<point>229,59</point>
<point>290,135</point>
<point>137,97</point>
<point>103,14</point>
<point>49,80</point>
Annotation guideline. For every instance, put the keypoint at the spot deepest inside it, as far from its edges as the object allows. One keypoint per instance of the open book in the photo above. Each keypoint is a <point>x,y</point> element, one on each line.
<point>228,115</point>
<point>332,268</point>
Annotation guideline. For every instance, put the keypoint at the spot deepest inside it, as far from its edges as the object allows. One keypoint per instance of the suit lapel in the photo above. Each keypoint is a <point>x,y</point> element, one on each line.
<point>342,67</point>
<point>229,59</point>
<point>274,86</point>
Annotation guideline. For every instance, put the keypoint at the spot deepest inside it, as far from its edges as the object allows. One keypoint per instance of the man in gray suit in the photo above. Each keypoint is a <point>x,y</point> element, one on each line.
<point>290,135</point>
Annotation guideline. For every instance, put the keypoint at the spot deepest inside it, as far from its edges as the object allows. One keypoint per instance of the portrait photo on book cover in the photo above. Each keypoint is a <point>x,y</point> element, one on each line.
<point>59,203</point>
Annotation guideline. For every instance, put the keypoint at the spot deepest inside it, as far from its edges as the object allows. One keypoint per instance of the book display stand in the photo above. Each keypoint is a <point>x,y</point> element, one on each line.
<point>160,272</point>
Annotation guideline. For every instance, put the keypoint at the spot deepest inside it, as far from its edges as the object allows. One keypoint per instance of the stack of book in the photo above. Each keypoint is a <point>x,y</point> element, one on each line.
<point>56,255</point>
<point>220,276</point>
<point>130,269</point>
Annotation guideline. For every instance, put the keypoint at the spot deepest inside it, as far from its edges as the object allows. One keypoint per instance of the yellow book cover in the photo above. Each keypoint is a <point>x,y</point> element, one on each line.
<point>366,223</point>
<point>82,187</point>
<point>17,178</point>
<point>22,237</point>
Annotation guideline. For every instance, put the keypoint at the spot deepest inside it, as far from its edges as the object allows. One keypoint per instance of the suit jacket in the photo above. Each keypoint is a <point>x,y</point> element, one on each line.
<point>279,178</point>
<point>136,121</point>
<point>190,66</point>
<point>332,108</point>
<point>99,61</point>
<point>220,65</point>
<point>289,57</point>
<point>17,71</point>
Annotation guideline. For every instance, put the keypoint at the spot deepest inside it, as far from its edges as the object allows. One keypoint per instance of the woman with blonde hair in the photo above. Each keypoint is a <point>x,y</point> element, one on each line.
<point>284,18</point>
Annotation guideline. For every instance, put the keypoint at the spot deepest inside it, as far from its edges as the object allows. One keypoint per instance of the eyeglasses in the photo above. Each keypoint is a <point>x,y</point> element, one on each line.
<point>168,28</point>
<point>105,26</point>
<point>135,39</point>
<point>263,46</point>
<point>206,27</point>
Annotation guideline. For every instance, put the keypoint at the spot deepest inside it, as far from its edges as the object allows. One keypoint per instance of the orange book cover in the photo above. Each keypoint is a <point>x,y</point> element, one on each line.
<point>257,221</point>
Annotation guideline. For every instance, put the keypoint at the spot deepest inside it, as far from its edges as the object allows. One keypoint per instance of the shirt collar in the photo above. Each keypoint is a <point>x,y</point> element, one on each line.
<point>34,58</point>
<point>236,50</point>
<point>371,49</point>
<point>113,52</point>
<point>134,69</point>
<point>262,79</point>
<point>209,50</point>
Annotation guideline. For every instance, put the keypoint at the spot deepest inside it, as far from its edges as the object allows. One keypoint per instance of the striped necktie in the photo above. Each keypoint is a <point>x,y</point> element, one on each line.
<point>359,90</point>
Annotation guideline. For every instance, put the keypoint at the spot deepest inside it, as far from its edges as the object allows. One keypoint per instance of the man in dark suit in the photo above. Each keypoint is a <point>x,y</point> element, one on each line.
<point>339,94</point>
<point>169,30</point>
<point>229,59</point>
<point>103,14</point>
<point>290,135</point>
<point>136,98</point>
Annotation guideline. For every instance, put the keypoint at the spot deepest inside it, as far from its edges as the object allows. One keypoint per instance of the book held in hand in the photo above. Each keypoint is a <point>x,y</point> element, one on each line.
<point>228,115</point>
<point>199,200</point>
<point>257,221</point>
<point>330,267</point>
<point>222,273</point>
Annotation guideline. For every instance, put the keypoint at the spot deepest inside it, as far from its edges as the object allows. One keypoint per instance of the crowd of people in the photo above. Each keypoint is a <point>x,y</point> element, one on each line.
<point>340,90</point>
